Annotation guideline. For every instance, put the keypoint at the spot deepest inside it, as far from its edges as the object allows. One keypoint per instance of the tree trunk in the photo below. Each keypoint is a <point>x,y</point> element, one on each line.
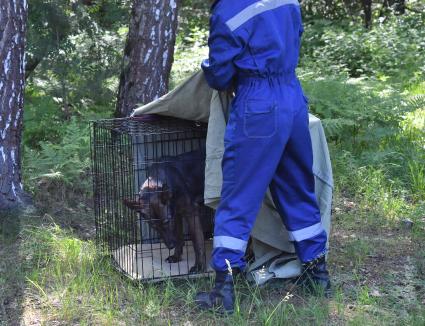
<point>13,15</point>
<point>367,11</point>
<point>401,7</point>
<point>148,54</point>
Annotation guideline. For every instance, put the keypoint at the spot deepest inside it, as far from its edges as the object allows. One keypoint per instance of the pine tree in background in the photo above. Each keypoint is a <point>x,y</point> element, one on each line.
<point>367,12</point>
<point>148,54</point>
<point>13,15</point>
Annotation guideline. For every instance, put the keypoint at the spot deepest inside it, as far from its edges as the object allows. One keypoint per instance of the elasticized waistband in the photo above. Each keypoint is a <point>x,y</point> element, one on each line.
<point>248,79</point>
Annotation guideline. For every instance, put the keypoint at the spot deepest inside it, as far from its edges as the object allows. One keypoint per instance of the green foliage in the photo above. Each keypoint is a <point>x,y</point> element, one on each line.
<point>51,23</point>
<point>194,15</point>
<point>361,111</point>
<point>375,120</point>
<point>43,119</point>
<point>334,10</point>
<point>109,14</point>
<point>187,61</point>
<point>394,48</point>
<point>84,72</point>
<point>384,176</point>
<point>79,50</point>
<point>48,23</point>
<point>191,44</point>
<point>66,161</point>
<point>413,136</point>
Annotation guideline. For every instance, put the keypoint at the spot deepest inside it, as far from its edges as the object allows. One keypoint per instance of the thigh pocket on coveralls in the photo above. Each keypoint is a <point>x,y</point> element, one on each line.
<point>260,119</point>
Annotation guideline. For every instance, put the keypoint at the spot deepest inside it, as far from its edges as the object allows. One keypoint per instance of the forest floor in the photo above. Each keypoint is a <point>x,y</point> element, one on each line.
<point>51,274</point>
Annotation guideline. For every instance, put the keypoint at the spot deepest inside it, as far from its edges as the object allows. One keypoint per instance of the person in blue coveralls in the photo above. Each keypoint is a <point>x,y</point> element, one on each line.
<point>253,50</point>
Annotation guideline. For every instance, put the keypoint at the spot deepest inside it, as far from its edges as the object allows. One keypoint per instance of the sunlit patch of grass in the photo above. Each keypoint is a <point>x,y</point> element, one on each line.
<point>413,128</point>
<point>414,122</point>
<point>74,281</point>
<point>315,311</point>
<point>367,195</point>
<point>417,88</point>
<point>375,193</point>
<point>417,178</point>
<point>357,250</point>
<point>77,285</point>
<point>364,297</point>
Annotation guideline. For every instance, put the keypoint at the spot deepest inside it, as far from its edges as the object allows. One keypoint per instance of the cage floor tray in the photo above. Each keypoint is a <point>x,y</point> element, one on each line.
<point>147,261</point>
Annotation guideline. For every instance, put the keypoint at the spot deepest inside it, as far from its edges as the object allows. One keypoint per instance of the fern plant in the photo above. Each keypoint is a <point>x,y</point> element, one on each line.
<point>68,160</point>
<point>357,111</point>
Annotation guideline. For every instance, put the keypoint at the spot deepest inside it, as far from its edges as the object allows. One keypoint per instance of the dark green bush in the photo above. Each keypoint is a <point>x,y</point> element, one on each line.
<point>43,120</point>
<point>62,167</point>
<point>395,48</point>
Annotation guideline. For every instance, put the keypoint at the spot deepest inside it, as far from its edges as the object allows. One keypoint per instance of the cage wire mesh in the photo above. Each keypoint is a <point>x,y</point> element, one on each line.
<point>148,179</point>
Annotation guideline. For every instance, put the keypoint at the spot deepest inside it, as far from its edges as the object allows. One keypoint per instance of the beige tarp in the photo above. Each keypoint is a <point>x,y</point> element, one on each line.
<point>274,254</point>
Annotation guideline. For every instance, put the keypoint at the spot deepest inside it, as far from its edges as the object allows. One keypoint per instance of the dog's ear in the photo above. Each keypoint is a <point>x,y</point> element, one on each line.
<point>165,194</point>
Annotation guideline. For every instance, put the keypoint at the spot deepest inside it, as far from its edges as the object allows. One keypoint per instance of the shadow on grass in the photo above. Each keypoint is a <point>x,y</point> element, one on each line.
<point>12,278</point>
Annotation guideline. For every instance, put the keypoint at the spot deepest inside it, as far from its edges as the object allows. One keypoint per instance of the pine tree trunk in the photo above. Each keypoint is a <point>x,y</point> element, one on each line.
<point>148,54</point>
<point>13,16</point>
<point>367,11</point>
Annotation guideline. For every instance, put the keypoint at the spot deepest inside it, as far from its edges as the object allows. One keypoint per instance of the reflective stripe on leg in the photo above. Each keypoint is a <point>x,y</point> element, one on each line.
<point>306,233</point>
<point>230,243</point>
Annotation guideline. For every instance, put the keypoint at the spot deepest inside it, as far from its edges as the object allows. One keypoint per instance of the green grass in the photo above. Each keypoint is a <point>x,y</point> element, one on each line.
<point>72,283</point>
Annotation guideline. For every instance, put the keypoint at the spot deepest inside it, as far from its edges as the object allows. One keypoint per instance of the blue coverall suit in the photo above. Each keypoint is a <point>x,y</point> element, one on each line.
<point>254,47</point>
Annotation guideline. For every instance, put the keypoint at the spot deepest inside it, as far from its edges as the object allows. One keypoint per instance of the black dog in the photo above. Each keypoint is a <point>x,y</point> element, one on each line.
<point>173,193</point>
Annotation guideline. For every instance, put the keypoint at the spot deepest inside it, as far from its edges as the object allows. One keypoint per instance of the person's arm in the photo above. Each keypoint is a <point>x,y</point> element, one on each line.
<point>219,68</point>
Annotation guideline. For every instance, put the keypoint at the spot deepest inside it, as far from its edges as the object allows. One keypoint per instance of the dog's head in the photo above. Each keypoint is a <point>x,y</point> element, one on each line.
<point>156,209</point>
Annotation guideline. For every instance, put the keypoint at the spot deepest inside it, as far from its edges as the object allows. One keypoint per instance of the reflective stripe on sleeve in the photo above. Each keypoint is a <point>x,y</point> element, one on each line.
<point>306,233</point>
<point>256,9</point>
<point>230,243</point>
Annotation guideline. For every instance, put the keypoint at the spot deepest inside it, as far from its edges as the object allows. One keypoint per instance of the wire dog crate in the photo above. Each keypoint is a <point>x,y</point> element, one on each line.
<point>148,180</point>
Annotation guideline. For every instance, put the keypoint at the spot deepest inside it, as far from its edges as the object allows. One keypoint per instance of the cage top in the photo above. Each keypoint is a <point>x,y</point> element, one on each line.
<point>149,125</point>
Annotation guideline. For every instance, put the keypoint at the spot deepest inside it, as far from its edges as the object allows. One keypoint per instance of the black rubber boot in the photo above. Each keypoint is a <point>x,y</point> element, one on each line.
<point>315,277</point>
<point>221,298</point>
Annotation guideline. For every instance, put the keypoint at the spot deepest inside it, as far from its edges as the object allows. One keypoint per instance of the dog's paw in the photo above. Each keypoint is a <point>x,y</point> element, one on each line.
<point>173,259</point>
<point>199,268</point>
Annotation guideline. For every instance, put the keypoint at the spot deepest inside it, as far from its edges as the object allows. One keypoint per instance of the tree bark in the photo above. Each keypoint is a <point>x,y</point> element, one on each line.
<point>401,7</point>
<point>148,54</point>
<point>13,16</point>
<point>367,11</point>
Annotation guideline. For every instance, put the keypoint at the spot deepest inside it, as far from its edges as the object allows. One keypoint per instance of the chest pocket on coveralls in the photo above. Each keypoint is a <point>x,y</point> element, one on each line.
<point>260,119</point>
